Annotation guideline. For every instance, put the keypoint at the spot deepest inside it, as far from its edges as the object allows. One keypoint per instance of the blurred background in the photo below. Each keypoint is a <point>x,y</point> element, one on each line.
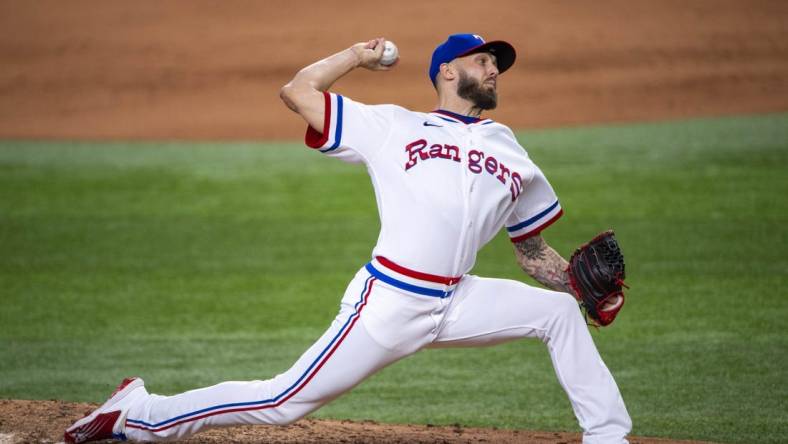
<point>208,69</point>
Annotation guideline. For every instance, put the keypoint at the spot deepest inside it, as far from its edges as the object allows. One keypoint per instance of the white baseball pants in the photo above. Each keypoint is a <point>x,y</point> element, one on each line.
<point>379,324</point>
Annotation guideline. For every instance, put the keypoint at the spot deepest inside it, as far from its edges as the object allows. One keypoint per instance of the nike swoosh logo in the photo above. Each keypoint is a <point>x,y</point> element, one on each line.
<point>432,124</point>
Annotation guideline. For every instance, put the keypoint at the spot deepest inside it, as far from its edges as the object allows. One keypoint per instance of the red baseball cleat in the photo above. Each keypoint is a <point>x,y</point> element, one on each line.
<point>106,422</point>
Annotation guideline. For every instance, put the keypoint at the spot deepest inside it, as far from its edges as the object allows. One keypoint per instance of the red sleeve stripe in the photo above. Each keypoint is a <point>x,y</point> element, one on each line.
<point>538,229</point>
<point>315,139</point>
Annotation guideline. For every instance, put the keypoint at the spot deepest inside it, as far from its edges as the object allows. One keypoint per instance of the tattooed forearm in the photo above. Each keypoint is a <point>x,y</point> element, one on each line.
<point>531,248</point>
<point>543,263</point>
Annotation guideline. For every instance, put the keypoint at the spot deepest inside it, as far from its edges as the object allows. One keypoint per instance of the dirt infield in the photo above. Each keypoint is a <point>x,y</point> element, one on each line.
<point>212,69</point>
<point>44,421</point>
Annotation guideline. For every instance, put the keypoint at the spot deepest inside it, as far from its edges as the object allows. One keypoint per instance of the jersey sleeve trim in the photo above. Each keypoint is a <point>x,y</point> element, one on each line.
<point>535,225</point>
<point>331,137</point>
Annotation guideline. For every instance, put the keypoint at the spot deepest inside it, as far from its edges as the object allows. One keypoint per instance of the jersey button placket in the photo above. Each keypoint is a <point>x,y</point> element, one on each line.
<point>465,181</point>
<point>469,202</point>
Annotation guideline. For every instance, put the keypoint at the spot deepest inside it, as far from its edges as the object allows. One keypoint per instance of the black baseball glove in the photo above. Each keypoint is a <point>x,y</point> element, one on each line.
<point>596,273</point>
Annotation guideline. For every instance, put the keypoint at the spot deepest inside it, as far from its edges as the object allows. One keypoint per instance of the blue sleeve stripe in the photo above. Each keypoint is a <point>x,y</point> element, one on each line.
<point>338,131</point>
<point>533,219</point>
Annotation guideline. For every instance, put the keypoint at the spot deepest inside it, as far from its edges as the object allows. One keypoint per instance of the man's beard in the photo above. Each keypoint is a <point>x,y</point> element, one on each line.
<point>471,89</point>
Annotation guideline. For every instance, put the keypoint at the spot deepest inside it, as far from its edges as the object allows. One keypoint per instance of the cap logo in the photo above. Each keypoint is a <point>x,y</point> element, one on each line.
<point>478,37</point>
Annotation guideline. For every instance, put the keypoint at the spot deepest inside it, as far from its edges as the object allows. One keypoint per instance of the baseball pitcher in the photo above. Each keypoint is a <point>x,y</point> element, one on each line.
<point>446,183</point>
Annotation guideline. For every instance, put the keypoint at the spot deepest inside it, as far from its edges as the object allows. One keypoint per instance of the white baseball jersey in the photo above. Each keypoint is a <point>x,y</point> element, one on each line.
<point>444,187</point>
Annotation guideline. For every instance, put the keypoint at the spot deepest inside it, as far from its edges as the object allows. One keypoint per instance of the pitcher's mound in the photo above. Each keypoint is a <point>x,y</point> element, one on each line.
<point>45,421</point>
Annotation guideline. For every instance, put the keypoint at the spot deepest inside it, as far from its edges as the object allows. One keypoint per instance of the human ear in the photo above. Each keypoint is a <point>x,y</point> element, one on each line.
<point>448,71</point>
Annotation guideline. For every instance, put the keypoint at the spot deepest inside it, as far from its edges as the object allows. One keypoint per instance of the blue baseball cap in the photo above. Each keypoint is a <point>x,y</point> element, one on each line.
<point>460,45</point>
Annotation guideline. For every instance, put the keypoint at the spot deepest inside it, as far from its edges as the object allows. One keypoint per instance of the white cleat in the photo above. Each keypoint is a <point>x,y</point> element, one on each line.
<point>106,422</point>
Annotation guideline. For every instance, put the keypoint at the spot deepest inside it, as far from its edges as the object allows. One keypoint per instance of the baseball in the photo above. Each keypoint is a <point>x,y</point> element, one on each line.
<point>390,53</point>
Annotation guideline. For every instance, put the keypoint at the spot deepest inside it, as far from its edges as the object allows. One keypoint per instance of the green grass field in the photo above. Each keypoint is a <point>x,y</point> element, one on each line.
<point>191,264</point>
